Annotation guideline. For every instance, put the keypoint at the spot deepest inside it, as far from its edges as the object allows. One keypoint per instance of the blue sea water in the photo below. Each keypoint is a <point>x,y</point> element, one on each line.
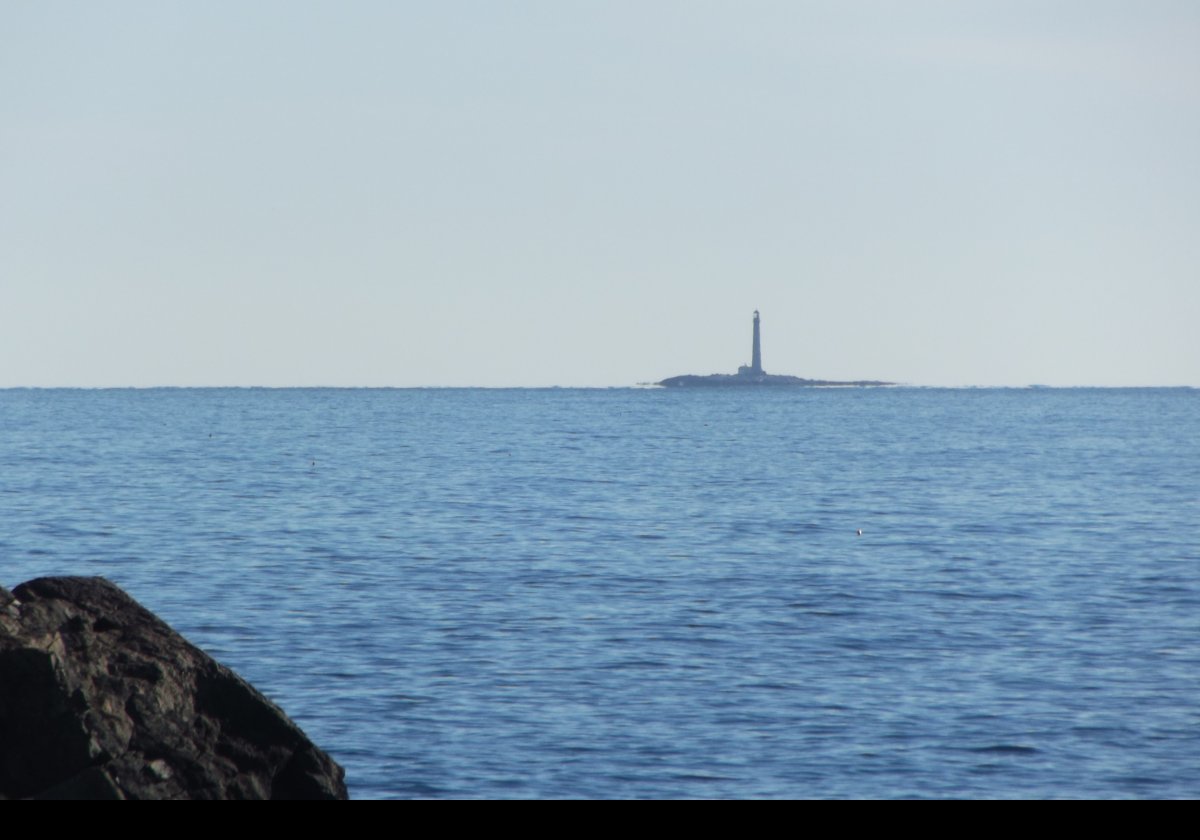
<point>658,593</point>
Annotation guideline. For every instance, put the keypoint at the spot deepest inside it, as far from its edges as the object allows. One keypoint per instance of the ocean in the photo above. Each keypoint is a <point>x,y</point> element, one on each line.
<point>658,593</point>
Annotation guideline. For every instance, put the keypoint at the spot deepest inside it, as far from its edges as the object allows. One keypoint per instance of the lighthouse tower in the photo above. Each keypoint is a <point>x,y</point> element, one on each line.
<point>755,367</point>
<point>756,353</point>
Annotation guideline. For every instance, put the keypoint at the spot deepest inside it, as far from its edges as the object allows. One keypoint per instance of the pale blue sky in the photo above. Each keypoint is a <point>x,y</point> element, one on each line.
<point>598,193</point>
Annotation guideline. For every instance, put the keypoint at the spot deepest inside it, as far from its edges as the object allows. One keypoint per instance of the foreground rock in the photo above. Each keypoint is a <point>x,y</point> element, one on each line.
<point>99,698</point>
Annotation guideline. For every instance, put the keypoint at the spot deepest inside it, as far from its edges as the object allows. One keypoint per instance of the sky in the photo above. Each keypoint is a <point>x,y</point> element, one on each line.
<point>598,194</point>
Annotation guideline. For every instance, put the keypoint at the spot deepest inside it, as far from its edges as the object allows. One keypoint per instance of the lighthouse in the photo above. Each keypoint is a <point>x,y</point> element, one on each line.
<point>755,367</point>
<point>756,353</point>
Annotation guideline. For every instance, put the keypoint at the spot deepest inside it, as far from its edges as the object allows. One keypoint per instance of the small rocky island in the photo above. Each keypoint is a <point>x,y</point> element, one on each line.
<point>100,699</point>
<point>753,376</point>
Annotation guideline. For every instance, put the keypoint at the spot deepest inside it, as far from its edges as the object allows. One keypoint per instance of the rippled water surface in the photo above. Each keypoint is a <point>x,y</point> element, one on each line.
<point>650,593</point>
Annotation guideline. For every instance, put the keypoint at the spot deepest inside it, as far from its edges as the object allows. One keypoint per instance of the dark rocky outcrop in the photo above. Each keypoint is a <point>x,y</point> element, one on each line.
<point>100,699</point>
